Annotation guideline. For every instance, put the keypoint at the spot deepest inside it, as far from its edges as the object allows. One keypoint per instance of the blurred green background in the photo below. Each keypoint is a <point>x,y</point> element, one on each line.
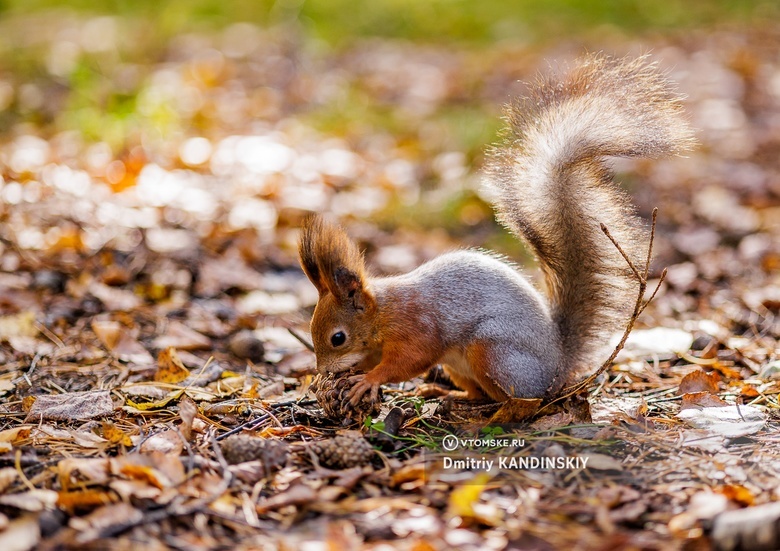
<point>337,22</point>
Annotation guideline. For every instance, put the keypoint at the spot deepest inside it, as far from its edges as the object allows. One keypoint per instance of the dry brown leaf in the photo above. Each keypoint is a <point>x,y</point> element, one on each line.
<point>91,526</point>
<point>699,381</point>
<point>560,419</point>
<point>414,474</point>
<point>701,400</point>
<point>72,406</point>
<point>169,367</point>
<point>166,442</point>
<point>75,470</point>
<point>515,410</point>
<point>113,298</point>
<point>158,469</point>
<point>178,335</point>
<point>33,500</point>
<point>300,494</point>
<point>15,434</point>
<point>120,343</point>
<point>187,412</point>
<point>108,332</point>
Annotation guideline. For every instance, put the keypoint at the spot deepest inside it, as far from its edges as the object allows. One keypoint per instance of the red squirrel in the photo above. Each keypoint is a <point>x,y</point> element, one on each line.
<point>496,335</point>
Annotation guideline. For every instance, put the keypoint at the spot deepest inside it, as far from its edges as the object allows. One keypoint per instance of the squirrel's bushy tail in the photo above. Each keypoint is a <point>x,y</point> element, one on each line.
<point>554,188</point>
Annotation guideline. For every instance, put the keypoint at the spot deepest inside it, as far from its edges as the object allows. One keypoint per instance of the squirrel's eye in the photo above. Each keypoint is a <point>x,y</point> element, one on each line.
<point>338,338</point>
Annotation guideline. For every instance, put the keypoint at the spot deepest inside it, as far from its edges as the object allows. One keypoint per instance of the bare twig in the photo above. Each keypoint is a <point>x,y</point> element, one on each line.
<point>303,340</point>
<point>639,307</point>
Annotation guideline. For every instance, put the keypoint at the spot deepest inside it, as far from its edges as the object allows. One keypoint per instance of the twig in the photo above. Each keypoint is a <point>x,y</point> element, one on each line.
<point>257,421</point>
<point>639,307</point>
<point>303,340</point>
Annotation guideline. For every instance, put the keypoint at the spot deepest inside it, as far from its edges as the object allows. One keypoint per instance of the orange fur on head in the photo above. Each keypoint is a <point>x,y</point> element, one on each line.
<point>335,266</point>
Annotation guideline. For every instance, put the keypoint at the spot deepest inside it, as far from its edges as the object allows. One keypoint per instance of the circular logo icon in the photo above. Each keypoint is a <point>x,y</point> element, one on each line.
<point>450,443</point>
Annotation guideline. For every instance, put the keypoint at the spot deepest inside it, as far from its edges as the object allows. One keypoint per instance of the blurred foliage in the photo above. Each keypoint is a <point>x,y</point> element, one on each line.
<point>417,110</point>
<point>339,21</point>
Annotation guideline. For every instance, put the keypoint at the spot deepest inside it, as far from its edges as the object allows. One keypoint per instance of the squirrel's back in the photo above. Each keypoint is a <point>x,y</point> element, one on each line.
<point>554,189</point>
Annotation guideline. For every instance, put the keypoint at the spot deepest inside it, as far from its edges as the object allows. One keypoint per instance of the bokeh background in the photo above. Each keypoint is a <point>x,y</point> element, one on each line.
<point>200,127</point>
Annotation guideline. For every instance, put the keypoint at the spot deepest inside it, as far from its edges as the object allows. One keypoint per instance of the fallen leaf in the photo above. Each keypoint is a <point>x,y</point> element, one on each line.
<point>158,404</point>
<point>12,435</point>
<point>602,462</point>
<point>178,335</point>
<point>72,406</point>
<point>8,476</point>
<point>84,499</point>
<point>21,534</point>
<point>120,343</point>
<point>701,400</point>
<point>515,410</point>
<point>699,381</point>
<point>75,470</point>
<point>187,411</point>
<point>93,525</point>
<point>115,435</point>
<point>300,494</point>
<point>18,325</point>
<point>730,421</point>
<point>738,494</point>
<point>462,499</point>
<point>167,442</point>
<point>169,367</point>
<point>33,500</point>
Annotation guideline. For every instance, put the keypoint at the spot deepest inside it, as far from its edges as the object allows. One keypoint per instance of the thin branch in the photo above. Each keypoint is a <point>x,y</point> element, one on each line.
<point>622,252</point>
<point>655,291</point>
<point>650,247</point>
<point>303,340</point>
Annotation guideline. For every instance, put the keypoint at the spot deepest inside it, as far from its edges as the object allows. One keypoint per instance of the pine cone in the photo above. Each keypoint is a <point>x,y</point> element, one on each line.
<point>331,391</point>
<point>241,448</point>
<point>345,450</point>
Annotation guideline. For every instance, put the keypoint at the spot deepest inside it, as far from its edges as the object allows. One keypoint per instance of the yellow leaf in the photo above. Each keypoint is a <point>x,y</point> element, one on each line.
<point>462,498</point>
<point>18,325</point>
<point>159,404</point>
<point>170,368</point>
<point>114,434</point>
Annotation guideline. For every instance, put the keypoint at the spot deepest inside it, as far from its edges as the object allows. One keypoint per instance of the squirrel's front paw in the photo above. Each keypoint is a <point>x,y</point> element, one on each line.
<point>362,386</point>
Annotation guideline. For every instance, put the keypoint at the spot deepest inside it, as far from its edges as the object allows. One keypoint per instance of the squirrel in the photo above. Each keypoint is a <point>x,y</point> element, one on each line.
<point>497,336</point>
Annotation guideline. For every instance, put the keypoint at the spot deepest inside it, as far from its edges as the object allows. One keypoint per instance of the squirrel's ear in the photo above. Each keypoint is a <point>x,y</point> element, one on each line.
<point>333,262</point>
<point>307,251</point>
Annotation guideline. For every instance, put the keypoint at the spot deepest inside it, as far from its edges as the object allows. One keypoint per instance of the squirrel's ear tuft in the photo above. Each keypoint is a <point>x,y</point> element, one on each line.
<point>332,261</point>
<point>307,251</point>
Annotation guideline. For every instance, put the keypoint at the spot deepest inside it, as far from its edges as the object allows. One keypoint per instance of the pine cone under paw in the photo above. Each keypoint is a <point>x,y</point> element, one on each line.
<point>331,391</point>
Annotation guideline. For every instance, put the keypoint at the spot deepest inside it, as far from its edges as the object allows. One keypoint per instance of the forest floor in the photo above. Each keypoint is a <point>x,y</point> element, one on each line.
<point>154,387</point>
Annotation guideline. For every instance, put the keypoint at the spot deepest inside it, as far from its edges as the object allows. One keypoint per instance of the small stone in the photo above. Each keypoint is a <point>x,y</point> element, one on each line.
<point>247,346</point>
<point>49,280</point>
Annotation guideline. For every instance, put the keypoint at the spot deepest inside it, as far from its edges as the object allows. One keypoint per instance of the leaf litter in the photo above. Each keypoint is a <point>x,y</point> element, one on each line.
<point>181,247</point>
